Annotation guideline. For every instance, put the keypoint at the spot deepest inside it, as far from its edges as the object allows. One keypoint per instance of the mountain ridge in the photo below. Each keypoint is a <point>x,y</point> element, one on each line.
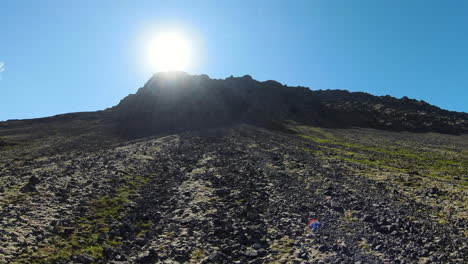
<point>271,103</point>
<point>177,101</point>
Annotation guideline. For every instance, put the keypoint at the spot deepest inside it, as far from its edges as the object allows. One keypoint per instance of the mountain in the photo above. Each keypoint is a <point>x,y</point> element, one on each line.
<point>178,101</point>
<point>195,170</point>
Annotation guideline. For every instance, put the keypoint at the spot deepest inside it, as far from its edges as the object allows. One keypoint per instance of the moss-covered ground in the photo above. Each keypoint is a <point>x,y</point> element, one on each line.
<point>428,168</point>
<point>89,234</point>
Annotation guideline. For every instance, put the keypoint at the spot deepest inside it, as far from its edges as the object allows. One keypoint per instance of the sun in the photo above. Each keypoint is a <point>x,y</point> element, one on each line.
<point>169,51</point>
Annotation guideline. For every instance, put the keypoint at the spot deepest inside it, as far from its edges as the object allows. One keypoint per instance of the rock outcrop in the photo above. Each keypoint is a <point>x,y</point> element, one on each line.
<point>176,101</point>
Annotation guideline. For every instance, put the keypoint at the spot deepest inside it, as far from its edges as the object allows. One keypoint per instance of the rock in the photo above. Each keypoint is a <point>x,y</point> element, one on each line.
<point>385,229</point>
<point>140,241</point>
<point>251,252</point>
<point>368,219</point>
<point>33,180</point>
<point>101,237</point>
<point>31,185</point>
<point>338,209</point>
<point>257,246</point>
<point>323,248</point>
<point>121,257</point>
<point>262,252</point>
<point>303,254</point>
<point>147,257</point>
<point>215,256</point>
<point>67,231</point>
<point>108,252</point>
<point>85,259</point>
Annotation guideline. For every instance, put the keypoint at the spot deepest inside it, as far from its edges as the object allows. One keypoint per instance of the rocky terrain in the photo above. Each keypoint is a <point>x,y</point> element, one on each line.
<point>163,183</point>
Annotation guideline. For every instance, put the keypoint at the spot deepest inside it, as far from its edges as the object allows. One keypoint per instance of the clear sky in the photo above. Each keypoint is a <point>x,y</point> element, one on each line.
<point>69,56</point>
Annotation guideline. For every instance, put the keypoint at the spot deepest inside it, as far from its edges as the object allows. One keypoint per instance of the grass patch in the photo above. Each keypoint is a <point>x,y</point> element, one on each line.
<point>91,233</point>
<point>364,244</point>
<point>409,159</point>
<point>348,216</point>
<point>197,255</point>
<point>416,163</point>
<point>282,250</point>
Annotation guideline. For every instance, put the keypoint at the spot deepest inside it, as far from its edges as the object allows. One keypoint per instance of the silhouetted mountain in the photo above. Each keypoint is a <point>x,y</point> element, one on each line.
<point>177,101</point>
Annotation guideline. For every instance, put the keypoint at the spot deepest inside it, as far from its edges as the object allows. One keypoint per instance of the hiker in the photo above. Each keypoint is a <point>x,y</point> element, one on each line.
<point>314,225</point>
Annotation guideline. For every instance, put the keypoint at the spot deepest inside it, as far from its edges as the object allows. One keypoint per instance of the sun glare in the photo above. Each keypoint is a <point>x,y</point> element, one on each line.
<point>169,52</point>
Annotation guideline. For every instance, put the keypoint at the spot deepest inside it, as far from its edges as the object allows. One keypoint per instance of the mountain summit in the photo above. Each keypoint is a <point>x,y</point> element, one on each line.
<point>175,101</point>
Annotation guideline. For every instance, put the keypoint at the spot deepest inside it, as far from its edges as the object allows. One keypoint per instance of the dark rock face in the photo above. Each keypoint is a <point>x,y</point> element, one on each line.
<point>344,108</point>
<point>177,101</point>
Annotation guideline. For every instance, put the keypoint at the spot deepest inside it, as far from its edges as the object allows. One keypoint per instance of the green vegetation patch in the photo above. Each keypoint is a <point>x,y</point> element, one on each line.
<point>282,250</point>
<point>90,233</point>
<point>395,158</point>
<point>432,169</point>
<point>197,255</point>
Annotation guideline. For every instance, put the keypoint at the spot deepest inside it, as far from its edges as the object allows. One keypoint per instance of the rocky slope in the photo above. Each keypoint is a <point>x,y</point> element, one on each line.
<point>233,195</point>
<point>205,187</point>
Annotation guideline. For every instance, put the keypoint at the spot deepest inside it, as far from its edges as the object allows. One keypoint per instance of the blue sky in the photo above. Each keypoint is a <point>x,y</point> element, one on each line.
<point>69,56</point>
